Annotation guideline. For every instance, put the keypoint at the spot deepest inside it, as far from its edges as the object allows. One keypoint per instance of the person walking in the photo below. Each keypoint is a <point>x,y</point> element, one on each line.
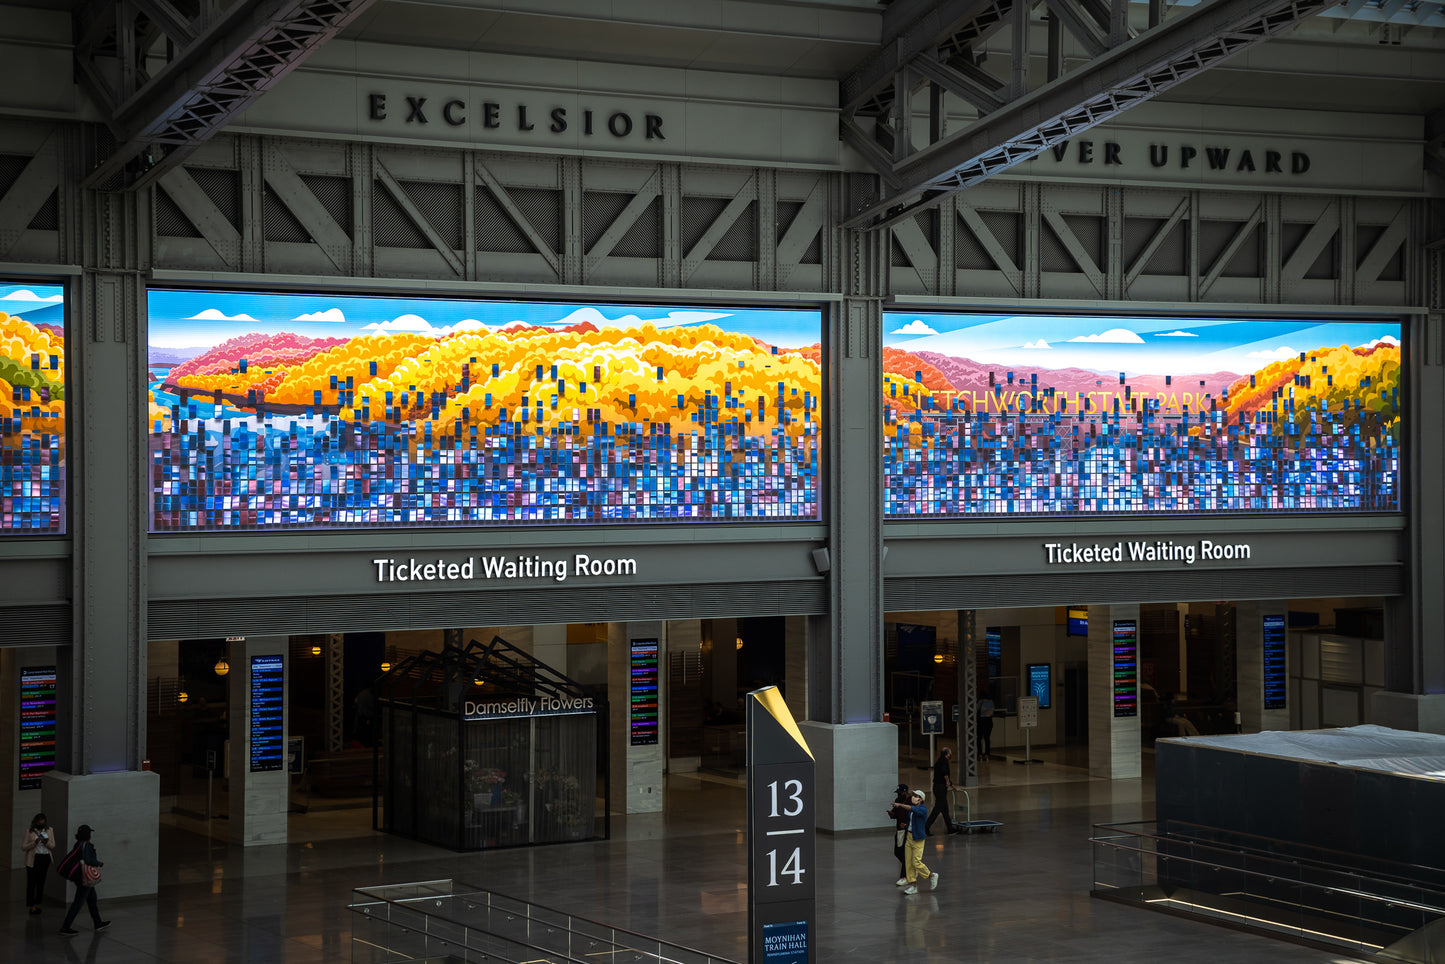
<point>36,847</point>
<point>942,784</point>
<point>917,834</point>
<point>900,813</point>
<point>985,728</point>
<point>84,893</point>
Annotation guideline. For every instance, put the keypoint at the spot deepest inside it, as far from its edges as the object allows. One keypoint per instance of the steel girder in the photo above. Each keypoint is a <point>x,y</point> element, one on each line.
<point>1108,84</point>
<point>168,74</point>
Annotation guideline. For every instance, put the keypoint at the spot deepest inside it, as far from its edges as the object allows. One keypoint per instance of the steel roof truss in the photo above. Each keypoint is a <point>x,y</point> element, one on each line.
<point>212,66</point>
<point>1107,85</point>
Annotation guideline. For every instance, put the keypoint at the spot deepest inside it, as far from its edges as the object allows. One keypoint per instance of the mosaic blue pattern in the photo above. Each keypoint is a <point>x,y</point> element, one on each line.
<point>32,410</point>
<point>990,415</point>
<point>338,475</point>
<point>308,411</point>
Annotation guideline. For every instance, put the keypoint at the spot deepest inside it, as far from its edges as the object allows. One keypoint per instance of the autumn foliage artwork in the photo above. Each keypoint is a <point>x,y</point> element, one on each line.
<point>579,423</point>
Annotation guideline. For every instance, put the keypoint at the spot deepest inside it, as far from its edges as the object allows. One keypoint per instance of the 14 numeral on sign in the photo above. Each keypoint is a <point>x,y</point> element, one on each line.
<point>792,868</point>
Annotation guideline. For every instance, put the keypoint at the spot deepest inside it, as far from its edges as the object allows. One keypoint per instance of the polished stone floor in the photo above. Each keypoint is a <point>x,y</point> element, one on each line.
<point>1019,894</point>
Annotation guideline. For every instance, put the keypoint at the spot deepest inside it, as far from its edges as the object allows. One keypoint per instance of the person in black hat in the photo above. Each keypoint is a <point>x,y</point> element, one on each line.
<point>84,893</point>
<point>900,813</point>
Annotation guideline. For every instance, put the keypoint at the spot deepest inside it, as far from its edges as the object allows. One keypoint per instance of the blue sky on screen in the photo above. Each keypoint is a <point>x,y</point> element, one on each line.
<point>191,319</point>
<point>1139,346</point>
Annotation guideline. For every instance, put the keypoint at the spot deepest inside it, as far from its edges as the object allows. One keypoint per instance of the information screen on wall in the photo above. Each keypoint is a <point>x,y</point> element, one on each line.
<point>642,693</point>
<point>1072,415</point>
<point>1040,683</point>
<point>1078,624</point>
<point>32,410</point>
<point>1126,667</point>
<point>283,411</point>
<point>37,724</point>
<point>1276,671</point>
<point>268,713</point>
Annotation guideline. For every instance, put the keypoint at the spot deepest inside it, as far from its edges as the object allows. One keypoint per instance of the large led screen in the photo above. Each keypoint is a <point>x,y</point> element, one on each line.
<point>989,415</point>
<point>32,410</point>
<point>284,411</point>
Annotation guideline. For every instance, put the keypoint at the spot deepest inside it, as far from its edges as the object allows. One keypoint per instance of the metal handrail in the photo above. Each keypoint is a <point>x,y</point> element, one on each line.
<point>1406,872</point>
<point>1401,876</point>
<point>446,888</point>
<point>1437,908</point>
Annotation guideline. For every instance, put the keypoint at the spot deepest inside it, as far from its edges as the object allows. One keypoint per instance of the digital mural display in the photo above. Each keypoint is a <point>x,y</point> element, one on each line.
<point>32,410</point>
<point>284,411</point>
<point>989,415</point>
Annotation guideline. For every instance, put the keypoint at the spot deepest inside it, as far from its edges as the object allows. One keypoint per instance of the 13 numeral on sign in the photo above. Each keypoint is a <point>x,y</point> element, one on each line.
<point>794,790</point>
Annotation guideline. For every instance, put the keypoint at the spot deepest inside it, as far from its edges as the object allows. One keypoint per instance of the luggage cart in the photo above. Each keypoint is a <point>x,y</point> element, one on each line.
<point>968,824</point>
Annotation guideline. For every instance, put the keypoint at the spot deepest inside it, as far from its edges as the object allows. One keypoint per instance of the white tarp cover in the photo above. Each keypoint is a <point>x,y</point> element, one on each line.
<point>1368,747</point>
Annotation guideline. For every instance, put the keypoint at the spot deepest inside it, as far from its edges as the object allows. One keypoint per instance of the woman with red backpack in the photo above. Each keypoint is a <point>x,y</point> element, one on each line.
<point>82,867</point>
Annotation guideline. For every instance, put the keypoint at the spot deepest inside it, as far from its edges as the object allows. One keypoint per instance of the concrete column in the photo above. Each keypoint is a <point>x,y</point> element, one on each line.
<point>102,683</point>
<point>1114,741</point>
<point>795,666</point>
<point>549,645</point>
<point>637,771</point>
<point>684,643</point>
<point>856,753</point>
<point>122,809</point>
<point>1414,650</point>
<point>1249,666</point>
<point>260,802</point>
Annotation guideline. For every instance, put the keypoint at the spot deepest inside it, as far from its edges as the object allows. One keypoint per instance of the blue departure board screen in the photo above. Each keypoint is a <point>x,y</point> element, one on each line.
<point>37,724</point>
<point>642,695</point>
<point>1126,667</point>
<point>1276,675</point>
<point>268,713</point>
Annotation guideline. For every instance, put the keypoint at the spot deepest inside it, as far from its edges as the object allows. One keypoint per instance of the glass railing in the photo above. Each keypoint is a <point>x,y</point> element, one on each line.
<point>1273,886</point>
<point>450,921</point>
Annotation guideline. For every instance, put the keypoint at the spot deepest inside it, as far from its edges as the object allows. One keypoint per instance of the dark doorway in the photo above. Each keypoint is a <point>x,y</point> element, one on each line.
<point>1074,742</point>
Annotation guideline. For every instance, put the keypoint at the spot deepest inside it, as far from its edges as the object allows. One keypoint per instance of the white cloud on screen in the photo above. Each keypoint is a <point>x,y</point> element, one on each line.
<point>330,314</point>
<point>1040,344</point>
<point>1383,340</point>
<point>1114,336</point>
<point>671,319</point>
<point>216,314</point>
<point>1275,354</point>
<point>1175,334</point>
<point>915,327</point>
<point>466,324</point>
<point>406,322</point>
<point>25,294</point>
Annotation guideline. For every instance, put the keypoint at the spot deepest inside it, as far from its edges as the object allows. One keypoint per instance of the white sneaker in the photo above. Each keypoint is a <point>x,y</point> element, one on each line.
<point>902,881</point>
<point>933,881</point>
<point>909,891</point>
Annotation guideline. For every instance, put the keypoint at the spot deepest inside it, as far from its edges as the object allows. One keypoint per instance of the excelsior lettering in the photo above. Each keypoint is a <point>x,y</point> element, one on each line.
<point>456,111</point>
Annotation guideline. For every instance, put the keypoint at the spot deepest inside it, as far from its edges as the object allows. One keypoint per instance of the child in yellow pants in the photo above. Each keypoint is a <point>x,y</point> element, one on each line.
<point>913,847</point>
